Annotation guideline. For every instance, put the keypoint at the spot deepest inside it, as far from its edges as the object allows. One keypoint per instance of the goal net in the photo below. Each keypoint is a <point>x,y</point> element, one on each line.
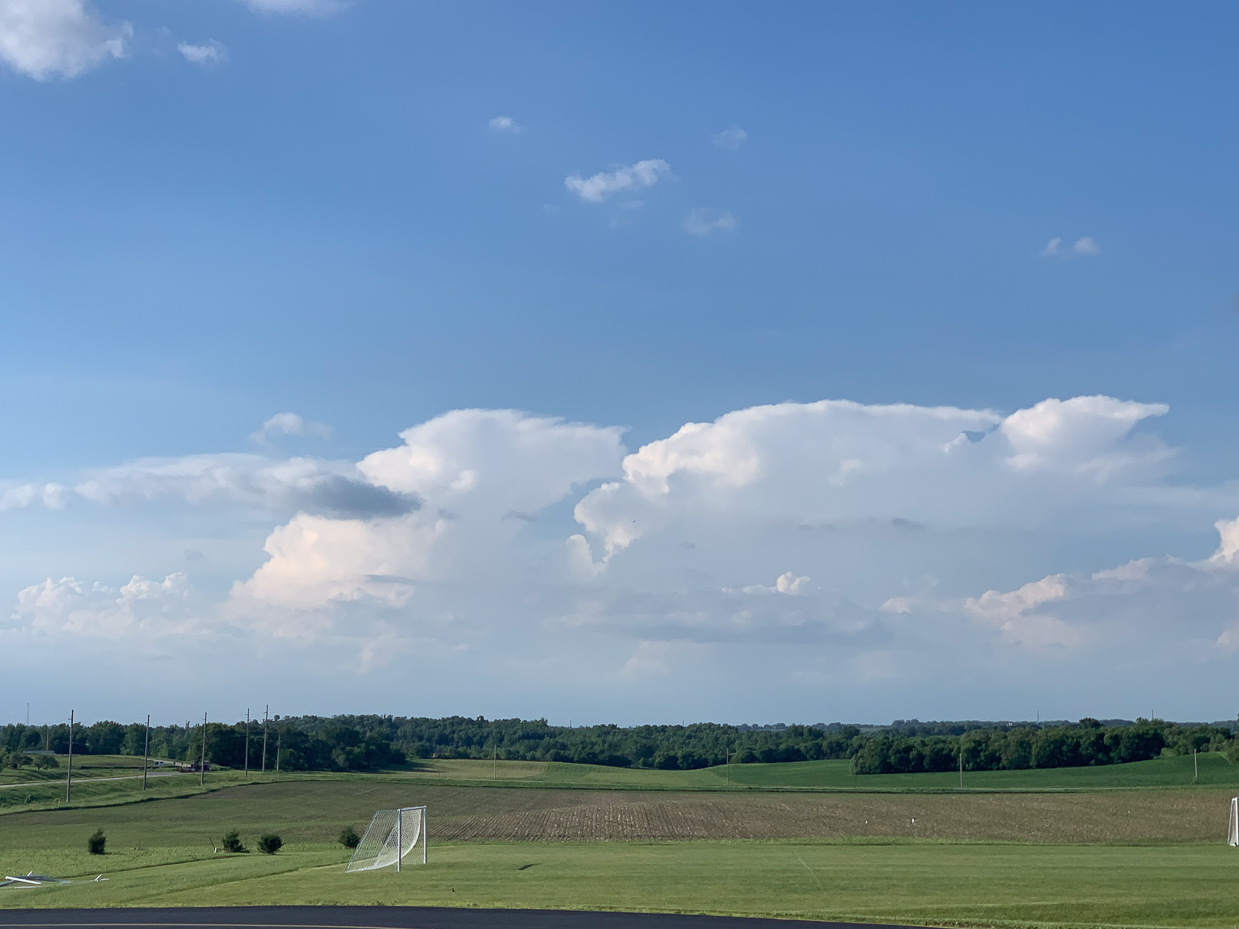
<point>1232,831</point>
<point>391,835</point>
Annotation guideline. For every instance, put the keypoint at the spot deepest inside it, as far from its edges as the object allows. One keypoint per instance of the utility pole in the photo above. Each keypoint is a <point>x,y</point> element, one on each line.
<point>69,779</point>
<point>1195,767</point>
<point>961,765</point>
<point>279,737</point>
<point>264,737</point>
<point>247,743</point>
<point>202,761</point>
<point>146,750</point>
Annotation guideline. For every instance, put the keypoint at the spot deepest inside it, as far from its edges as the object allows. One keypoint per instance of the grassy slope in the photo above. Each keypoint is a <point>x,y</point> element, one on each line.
<point>42,791</point>
<point>1162,772</point>
<point>916,883</point>
<point>874,862</point>
<point>161,853</point>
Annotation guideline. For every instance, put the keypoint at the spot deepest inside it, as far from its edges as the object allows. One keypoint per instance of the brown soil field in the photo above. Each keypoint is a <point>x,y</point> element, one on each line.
<point>1160,816</point>
<point>490,814</point>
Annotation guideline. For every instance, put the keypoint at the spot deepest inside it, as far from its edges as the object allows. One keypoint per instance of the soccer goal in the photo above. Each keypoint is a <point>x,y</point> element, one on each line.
<point>1232,831</point>
<point>390,837</point>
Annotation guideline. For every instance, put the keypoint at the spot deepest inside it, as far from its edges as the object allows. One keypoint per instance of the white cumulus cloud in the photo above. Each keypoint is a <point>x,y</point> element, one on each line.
<point>57,38</point>
<point>704,221</point>
<point>290,424</point>
<point>53,496</point>
<point>1085,245</point>
<point>809,546</point>
<point>301,7</point>
<point>208,53</point>
<point>139,607</point>
<point>505,124</point>
<point>1156,602</point>
<point>472,469</point>
<point>598,187</point>
<point>250,480</point>
<point>838,460</point>
<point>730,138</point>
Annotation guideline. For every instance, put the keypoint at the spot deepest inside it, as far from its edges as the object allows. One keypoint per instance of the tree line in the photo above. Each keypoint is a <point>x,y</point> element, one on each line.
<point>363,743</point>
<point>1083,744</point>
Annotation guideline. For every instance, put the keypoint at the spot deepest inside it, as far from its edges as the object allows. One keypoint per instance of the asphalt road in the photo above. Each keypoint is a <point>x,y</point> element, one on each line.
<point>386,917</point>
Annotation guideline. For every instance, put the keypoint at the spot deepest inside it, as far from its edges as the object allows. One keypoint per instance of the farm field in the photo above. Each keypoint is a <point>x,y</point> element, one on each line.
<point>1136,857</point>
<point>27,789</point>
<point>918,883</point>
<point>315,811</point>
<point>1171,771</point>
<point>83,766</point>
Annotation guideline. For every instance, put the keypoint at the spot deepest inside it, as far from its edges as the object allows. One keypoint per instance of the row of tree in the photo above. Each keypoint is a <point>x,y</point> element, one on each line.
<point>286,743</point>
<point>361,743</point>
<point>1062,746</point>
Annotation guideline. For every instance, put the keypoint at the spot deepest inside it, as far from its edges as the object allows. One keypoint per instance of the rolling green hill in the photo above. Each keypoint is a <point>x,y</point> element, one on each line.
<point>1169,771</point>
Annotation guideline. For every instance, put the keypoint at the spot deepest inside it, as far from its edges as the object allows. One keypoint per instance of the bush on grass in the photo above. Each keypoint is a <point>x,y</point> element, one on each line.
<point>232,843</point>
<point>46,761</point>
<point>270,843</point>
<point>349,837</point>
<point>97,843</point>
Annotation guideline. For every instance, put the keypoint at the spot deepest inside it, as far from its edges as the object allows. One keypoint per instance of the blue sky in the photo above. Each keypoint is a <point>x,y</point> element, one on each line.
<point>372,214</point>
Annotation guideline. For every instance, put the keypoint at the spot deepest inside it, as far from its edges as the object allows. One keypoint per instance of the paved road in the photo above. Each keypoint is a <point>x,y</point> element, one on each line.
<point>383,917</point>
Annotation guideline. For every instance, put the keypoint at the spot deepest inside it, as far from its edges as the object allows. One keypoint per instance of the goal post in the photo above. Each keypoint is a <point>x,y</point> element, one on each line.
<point>1232,831</point>
<point>391,836</point>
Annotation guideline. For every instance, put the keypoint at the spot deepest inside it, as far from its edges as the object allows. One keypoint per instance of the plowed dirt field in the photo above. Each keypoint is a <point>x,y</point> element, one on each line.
<point>320,809</point>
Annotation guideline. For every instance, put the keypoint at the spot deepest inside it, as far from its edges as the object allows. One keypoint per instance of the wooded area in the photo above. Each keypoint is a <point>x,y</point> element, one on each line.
<point>361,743</point>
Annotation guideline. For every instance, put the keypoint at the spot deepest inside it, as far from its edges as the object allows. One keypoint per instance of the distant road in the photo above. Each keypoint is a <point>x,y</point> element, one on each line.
<point>91,780</point>
<point>388,917</point>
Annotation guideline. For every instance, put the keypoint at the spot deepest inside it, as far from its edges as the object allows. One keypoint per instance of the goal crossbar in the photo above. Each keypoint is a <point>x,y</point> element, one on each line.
<point>390,837</point>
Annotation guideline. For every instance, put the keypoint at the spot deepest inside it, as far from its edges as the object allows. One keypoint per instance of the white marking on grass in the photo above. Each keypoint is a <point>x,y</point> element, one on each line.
<point>812,873</point>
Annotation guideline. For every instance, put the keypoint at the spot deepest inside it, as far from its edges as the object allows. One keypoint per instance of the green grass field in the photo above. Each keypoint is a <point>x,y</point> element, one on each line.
<point>910,883</point>
<point>1173,771</point>
<point>1140,848</point>
<point>110,779</point>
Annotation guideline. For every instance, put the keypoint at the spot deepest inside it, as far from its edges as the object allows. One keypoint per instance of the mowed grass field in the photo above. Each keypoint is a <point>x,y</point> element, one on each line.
<point>1143,848</point>
<point>1175,771</point>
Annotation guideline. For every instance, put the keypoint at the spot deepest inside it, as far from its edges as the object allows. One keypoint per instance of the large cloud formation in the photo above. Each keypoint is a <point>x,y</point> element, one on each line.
<point>836,544</point>
<point>57,38</point>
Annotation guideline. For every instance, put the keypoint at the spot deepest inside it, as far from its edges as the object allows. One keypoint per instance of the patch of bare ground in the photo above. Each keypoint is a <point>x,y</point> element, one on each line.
<point>1120,817</point>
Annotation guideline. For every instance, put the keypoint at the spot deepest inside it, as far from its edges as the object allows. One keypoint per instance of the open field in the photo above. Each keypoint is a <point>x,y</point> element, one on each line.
<point>1077,857</point>
<point>1040,857</point>
<point>915,883</point>
<point>83,766</point>
<point>93,785</point>
<point>315,811</point>
<point>1172,771</point>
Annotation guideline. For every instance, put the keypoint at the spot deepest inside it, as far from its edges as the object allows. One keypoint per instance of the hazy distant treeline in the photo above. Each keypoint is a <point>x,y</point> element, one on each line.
<point>359,743</point>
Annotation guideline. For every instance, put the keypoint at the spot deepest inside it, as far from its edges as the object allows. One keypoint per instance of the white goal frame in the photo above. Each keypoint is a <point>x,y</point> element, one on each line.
<point>390,837</point>
<point>1232,831</point>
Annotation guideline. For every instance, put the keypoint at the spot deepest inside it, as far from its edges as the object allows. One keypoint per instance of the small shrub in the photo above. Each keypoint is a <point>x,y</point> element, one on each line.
<point>19,760</point>
<point>46,761</point>
<point>97,843</point>
<point>349,837</point>
<point>232,842</point>
<point>270,843</point>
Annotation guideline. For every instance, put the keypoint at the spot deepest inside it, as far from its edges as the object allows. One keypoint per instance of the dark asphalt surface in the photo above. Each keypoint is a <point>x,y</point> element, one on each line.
<point>390,917</point>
